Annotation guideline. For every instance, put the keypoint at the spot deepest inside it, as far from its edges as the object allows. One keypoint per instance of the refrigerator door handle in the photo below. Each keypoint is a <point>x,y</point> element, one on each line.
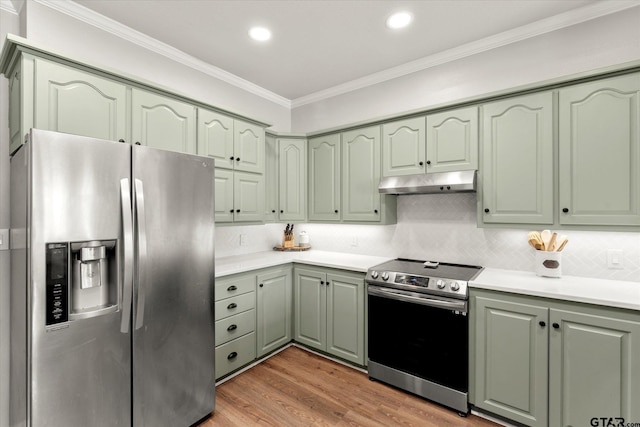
<point>142,252</point>
<point>127,231</point>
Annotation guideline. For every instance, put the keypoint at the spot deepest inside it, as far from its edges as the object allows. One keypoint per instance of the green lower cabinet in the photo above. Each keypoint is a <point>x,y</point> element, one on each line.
<point>329,311</point>
<point>274,301</point>
<point>542,362</point>
<point>511,359</point>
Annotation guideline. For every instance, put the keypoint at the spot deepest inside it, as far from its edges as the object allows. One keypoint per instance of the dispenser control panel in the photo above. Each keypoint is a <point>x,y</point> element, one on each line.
<point>57,292</point>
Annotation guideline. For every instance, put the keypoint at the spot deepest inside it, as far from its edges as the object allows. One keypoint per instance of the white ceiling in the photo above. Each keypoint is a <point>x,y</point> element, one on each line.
<point>318,45</point>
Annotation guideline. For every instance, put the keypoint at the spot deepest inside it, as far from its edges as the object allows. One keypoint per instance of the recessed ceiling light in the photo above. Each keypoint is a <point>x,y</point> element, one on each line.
<point>260,34</point>
<point>399,20</point>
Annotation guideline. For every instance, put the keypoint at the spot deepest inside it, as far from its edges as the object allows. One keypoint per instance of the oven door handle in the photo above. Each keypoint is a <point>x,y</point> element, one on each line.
<point>392,294</point>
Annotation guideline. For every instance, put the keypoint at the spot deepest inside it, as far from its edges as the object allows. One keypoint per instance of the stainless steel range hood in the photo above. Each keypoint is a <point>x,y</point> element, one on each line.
<point>429,183</point>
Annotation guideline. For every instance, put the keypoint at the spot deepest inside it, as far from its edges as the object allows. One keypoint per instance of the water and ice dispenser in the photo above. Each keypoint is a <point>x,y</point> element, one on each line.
<point>82,280</point>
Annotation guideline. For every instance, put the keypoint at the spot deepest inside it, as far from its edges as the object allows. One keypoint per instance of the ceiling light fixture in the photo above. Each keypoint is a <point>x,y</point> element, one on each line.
<point>260,34</point>
<point>399,20</point>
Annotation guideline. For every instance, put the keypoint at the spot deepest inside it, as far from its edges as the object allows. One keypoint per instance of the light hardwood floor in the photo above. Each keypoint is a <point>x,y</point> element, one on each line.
<point>298,388</point>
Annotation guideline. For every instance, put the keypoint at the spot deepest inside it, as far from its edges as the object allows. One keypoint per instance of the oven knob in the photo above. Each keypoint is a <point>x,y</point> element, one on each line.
<point>441,284</point>
<point>385,276</point>
<point>455,286</point>
<point>374,274</point>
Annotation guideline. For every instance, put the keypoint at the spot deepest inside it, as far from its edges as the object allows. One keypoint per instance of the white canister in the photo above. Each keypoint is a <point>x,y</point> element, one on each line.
<point>548,264</point>
<point>303,238</point>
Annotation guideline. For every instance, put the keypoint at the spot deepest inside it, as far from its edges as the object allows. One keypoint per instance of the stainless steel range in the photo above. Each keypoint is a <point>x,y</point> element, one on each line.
<point>419,328</point>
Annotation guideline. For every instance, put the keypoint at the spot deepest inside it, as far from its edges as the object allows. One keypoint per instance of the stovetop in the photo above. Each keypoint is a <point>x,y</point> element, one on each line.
<point>426,277</point>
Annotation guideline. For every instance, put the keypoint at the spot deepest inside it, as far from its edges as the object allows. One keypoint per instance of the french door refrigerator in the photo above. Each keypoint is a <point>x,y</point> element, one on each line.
<point>112,279</point>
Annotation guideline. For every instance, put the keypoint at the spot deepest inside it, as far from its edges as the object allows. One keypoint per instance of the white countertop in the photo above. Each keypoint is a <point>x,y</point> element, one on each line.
<point>611,293</point>
<point>240,263</point>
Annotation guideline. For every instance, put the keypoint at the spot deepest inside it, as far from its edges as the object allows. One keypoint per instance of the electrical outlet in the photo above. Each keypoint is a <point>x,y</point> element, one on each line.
<point>4,239</point>
<point>243,240</point>
<point>354,241</point>
<point>614,259</point>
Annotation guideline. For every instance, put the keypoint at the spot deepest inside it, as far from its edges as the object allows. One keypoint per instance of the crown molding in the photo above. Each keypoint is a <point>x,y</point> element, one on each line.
<point>111,26</point>
<point>563,20</point>
<point>12,6</point>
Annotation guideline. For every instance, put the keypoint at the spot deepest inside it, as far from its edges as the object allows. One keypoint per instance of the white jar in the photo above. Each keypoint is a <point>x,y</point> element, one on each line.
<point>303,238</point>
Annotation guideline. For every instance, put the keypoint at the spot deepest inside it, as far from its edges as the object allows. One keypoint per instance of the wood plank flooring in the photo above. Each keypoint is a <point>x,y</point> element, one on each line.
<point>298,388</point>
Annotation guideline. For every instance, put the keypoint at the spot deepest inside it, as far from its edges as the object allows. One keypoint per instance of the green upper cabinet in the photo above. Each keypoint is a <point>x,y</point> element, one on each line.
<point>239,196</point>
<point>452,140</point>
<point>403,147</point>
<point>215,137</point>
<point>233,144</point>
<point>274,309</point>
<point>599,151</point>
<point>511,359</point>
<point>162,122</point>
<point>361,174</point>
<point>324,178</point>
<point>271,205</point>
<point>593,368</point>
<point>517,169</point>
<point>73,101</point>
<point>292,161</point>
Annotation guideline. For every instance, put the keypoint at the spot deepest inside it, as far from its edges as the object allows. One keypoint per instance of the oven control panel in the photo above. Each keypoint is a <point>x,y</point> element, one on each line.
<point>423,284</point>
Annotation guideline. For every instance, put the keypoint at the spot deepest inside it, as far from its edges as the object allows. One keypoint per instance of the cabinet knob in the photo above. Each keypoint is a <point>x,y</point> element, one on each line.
<point>231,158</point>
<point>261,284</point>
<point>448,187</point>
<point>328,283</point>
<point>428,162</point>
<point>281,211</point>
<point>121,140</point>
<point>542,323</point>
<point>232,355</point>
<point>232,306</point>
<point>486,210</point>
<point>138,143</point>
<point>555,326</point>
<point>322,282</point>
<point>273,211</point>
<point>565,210</point>
<point>237,210</point>
<point>336,211</point>
<point>231,211</point>
<point>375,211</point>
<point>237,159</point>
<point>232,328</point>
<point>421,163</point>
<point>441,188</point>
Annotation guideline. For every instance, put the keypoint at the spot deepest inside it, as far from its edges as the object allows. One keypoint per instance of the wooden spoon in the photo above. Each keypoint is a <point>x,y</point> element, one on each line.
<point>546,238</point>
<point>535,240</point>
<point>552,242</point>
<point>561,243</point>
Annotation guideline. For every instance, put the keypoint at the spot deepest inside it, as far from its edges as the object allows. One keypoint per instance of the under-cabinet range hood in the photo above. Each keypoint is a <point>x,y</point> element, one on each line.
<point>429,183</point>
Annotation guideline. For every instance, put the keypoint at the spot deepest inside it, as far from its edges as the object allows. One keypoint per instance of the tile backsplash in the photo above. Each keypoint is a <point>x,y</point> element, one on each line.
<point>443,228</point>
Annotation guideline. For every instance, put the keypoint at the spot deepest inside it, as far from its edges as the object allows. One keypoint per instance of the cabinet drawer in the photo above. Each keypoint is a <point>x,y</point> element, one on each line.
<point>235,285</point>
<point>235,354</point>
<point>235,305</point>
<point>236,326</point>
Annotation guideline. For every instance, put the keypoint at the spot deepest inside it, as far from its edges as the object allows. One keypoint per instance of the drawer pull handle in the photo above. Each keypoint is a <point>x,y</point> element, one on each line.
<point>232,305</point>
<point>232,355</point>
<point>232,328</point>
<point>232,288</point>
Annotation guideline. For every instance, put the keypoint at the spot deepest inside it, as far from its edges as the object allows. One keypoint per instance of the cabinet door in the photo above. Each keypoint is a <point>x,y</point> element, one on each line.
<point>224,195</point>
<point>511,360</point>
<point>345,317</point>
<point>517,172</point>
<point>452,140</point>
<point>292,159</point>
<point>215,138</point>
<point>310,308</point>
<point>593,368</point>
<point>403,147</point>
<point>600,152</point>
<point>324,178</point>
<point>274,310</point>
<point>248,147</point>
<point>361,174</point>
<point>248,197</point>
<point>72,101</point>
<point>271,179</point>
<point>162,122</point>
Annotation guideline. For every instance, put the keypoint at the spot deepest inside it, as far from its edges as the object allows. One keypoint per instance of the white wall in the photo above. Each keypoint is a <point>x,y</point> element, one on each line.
<point>70,36</point>
<point>609,40</point>
<point>442,227</point>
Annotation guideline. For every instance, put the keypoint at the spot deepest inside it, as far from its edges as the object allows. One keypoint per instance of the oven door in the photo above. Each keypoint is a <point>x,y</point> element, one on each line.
<point>421,335</point>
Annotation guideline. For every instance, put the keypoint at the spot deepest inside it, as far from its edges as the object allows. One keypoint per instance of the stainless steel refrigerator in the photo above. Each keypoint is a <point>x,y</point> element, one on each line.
<point>112,281</point>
